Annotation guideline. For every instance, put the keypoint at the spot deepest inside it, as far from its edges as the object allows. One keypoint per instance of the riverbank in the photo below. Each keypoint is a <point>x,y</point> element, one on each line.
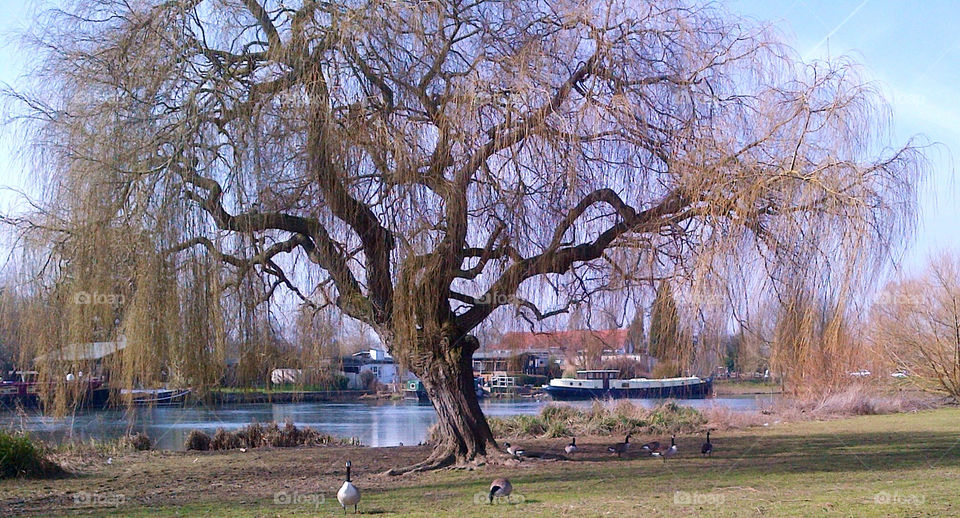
<point>732,387</point>
<point>246,396</point>
<point>882,465</point>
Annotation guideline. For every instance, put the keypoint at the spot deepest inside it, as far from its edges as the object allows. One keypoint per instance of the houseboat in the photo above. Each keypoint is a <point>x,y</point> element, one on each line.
<point>25,390</point>
<point>155,397</point>
<point>414,389</point>
<point>602,384</point>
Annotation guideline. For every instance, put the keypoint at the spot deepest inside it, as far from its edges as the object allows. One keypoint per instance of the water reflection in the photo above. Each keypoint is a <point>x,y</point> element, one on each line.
<point>373,423</point>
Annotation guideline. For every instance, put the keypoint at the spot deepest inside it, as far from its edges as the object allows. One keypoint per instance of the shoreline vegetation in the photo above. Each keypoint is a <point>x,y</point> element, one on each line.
<point>734,387</point>
<point>855,464</point>
<point>621,417</point>
<point>556,420</point>
<point>721,387</point>
<point>295,394</point>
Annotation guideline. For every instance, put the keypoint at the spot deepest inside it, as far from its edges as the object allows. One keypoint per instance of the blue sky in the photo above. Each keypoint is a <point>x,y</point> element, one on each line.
<point>16,16</point>
<point>911,49</point>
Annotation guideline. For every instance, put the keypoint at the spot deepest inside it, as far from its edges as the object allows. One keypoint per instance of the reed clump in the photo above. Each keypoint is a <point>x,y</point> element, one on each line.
<point>602,418</point>
<point>138,441</point>
<point>197,440</point>
<point>256,435</point>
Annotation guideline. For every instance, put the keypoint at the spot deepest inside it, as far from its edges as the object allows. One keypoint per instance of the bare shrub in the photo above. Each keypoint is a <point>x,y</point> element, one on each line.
<point>224,440</point>
<point>252,436</point>
<point>138,441</point>
<point>368,380</point>
<point>916,324</point>
<point>197,440</point>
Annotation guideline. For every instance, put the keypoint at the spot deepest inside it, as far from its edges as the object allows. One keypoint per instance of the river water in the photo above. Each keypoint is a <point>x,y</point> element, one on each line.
<point>378,423</point>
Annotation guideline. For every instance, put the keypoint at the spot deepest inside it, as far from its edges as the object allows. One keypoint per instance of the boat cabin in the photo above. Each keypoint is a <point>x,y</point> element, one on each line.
<point>603,375</point>
<point>598,374</point>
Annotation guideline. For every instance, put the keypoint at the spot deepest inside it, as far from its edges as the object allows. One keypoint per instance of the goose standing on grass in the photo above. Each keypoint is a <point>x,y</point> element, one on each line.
<point>500,487</point>
<point>348,494</point>
<point>707,448</point>
<point>572,447</point>
<point>516,451</point>
<point>669,452</point>
<point>651,447</point>
<point>621,447</point>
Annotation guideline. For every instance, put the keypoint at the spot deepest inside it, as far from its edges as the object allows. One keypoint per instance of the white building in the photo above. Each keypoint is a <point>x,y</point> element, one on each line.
<point>378,362</point>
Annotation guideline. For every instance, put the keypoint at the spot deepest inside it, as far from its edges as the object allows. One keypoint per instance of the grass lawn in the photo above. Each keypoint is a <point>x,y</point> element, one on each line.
<point>891,465</point>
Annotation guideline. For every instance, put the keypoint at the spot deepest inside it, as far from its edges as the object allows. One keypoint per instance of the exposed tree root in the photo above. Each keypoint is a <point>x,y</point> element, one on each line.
<point>445,459</point>
<point>433,462</point>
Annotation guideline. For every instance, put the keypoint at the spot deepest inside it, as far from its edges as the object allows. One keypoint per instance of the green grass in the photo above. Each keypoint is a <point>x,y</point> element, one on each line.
<point>879,465</point>
<point>21,457</point>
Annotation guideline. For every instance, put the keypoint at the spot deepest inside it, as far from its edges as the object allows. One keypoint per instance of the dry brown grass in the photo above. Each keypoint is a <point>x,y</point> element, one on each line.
<point>851,400</point>
<point>855,399</point>
<point>621,417</point>
<point>601,419</point>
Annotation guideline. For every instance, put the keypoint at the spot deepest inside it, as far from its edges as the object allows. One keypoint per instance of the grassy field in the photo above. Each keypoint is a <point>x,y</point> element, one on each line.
<point>724,387</point>
<point>890,465</point>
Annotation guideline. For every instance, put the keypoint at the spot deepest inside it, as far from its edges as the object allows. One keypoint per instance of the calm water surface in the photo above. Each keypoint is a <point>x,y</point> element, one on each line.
<point>373,423</point>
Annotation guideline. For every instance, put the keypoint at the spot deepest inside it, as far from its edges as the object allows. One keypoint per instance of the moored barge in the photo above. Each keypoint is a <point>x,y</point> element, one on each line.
<point>603,384</point>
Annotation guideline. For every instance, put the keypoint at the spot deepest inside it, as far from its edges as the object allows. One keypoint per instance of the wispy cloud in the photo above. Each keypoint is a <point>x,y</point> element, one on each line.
<point>812,51</point>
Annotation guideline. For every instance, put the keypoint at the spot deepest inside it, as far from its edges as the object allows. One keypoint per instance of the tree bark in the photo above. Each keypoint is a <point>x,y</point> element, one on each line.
<point>463,435</point>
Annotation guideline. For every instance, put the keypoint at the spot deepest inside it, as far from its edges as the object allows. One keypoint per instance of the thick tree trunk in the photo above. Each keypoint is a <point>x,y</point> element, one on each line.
<point>463,435</point>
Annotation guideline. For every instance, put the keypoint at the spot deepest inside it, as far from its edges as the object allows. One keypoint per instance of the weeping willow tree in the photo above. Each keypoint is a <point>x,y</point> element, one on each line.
<point>665,331</point>
<point>813,348</point>
<point>418,165</point>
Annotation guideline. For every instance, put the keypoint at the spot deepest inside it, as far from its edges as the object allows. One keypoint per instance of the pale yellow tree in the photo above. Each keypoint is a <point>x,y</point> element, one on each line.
<point>916,324</point>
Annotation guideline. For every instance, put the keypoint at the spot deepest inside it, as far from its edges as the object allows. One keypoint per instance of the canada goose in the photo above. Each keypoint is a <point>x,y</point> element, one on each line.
<point>651,447</point>
<point>621,447</point>
<point>348,494</point>
<point>514,450</point>
<point>572,447</point>
<point>500,487</point>
<point>669,452</point>
<point>707,448</point>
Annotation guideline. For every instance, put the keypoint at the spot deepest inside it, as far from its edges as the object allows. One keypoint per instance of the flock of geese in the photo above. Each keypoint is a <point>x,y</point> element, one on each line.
<point>349,494</point>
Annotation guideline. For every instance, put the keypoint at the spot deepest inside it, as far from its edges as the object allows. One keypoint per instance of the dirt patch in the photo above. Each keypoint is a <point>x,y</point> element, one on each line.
<point>164,478</point>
